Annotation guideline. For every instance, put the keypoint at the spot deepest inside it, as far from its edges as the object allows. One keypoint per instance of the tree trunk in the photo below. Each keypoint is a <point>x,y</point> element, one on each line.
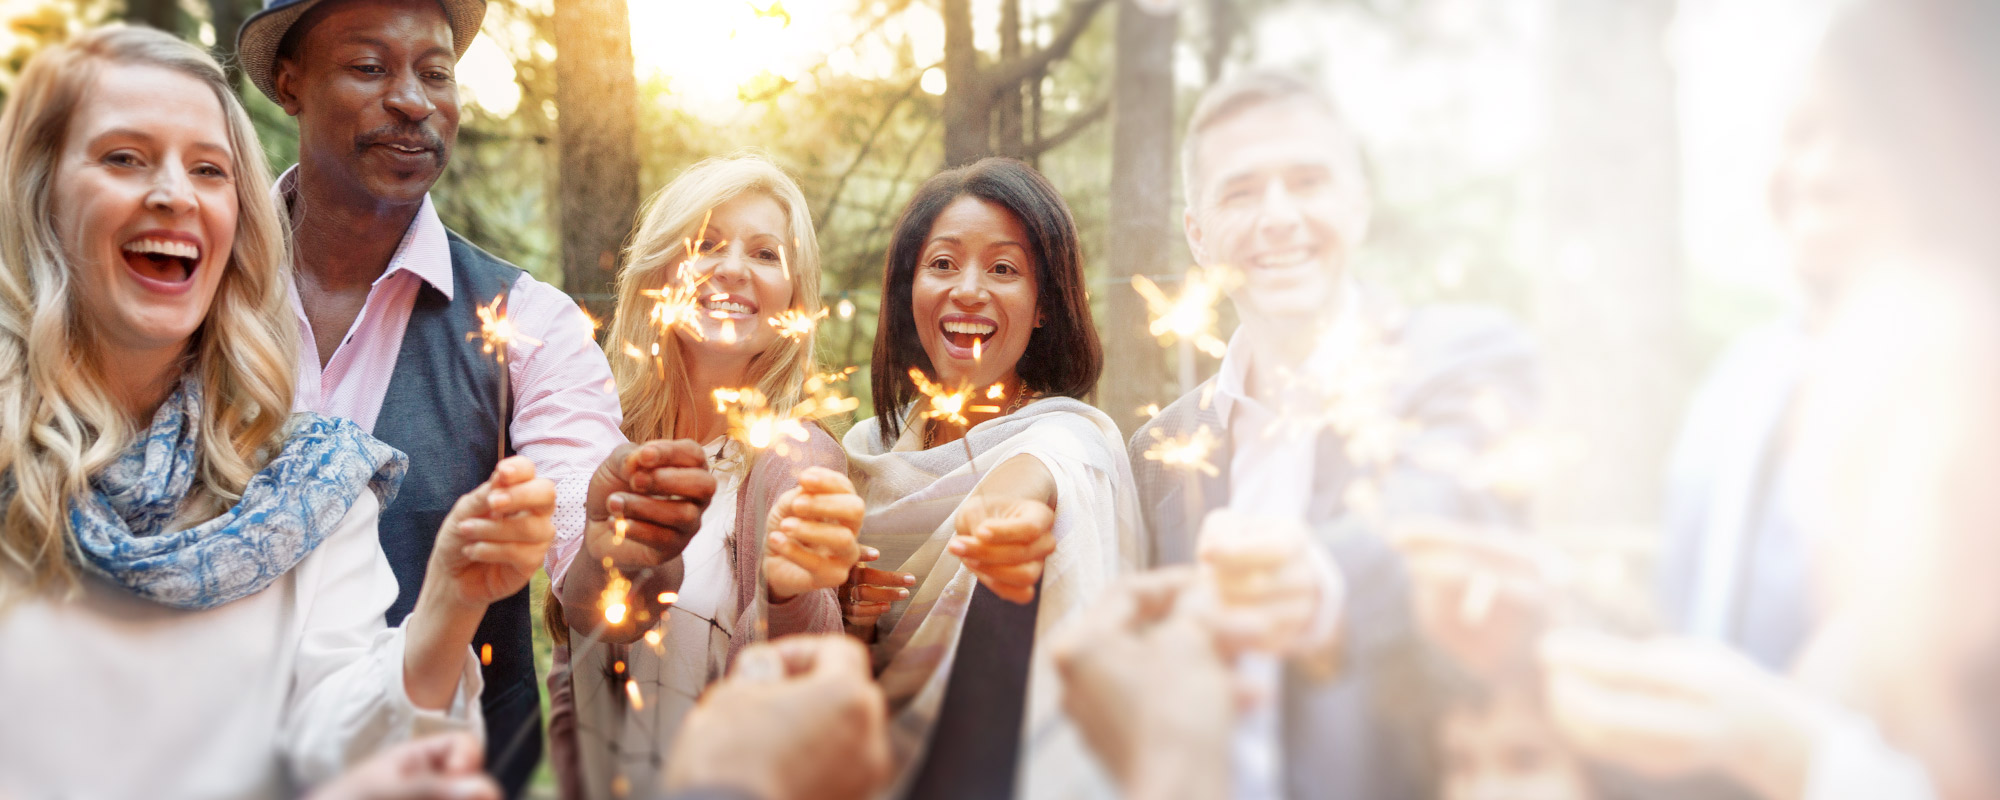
<point>597,144</point>
<point>227,16</point>
<point>967,104</point>
<point>1009,130</point>
<point>1142,229</point>
<point>1609,305</point>
<point>162,14</point>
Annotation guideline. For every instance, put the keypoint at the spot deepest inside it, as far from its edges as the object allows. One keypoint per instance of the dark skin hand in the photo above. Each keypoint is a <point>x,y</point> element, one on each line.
<point>659,490</point>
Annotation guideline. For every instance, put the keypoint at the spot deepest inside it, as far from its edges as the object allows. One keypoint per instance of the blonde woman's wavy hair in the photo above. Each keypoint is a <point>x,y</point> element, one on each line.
<point>655,408</point>
<point>58,421</point>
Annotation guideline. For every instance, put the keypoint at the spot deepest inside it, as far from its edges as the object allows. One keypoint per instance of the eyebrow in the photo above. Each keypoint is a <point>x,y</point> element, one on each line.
<point>955,240</point>
<point>373,41</point>
<point>135,133</point>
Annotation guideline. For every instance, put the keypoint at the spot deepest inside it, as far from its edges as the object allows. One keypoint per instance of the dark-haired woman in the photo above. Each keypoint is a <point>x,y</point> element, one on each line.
<point>1025,491</point>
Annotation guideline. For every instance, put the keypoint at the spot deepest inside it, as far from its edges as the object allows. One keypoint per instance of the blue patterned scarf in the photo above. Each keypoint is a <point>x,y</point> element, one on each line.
<point>288,508</point>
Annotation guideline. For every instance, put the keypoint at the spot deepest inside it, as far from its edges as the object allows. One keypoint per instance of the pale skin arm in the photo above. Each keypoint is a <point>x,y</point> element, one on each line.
<point>489,545</point>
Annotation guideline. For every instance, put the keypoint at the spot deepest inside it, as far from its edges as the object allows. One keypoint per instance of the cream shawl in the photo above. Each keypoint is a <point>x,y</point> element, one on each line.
<point>913,495</point>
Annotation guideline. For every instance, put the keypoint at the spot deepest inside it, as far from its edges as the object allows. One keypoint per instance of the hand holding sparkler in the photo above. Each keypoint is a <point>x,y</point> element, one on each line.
<point>1273,584</point>
<point>445,765</point>
<point>644,505</point>
<point>1006,528</point>
<point>800,717</point>
<point>491,542</point>
<point>869,592</point>
<point>814,529</point>
<point>1482,596</point>
<point>1149,689</point>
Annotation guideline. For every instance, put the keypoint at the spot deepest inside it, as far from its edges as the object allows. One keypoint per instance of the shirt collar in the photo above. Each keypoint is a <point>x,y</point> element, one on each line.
<point>425,250</point>
<point>1233,379</point>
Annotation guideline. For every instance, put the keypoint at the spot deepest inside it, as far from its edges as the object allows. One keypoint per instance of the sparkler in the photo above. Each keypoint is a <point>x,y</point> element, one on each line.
<point>796,325</point>
<point>1189,452</point>
<point>1189,318</point>
<point>496,333</point>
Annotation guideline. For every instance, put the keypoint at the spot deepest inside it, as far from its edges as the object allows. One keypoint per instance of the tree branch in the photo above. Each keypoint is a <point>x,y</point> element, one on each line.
<point>1076,124</point>
<point>867,145</point>
<point>1010,75</point>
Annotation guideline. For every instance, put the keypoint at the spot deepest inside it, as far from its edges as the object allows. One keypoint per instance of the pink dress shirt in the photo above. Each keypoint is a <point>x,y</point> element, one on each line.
<point>565,408</point>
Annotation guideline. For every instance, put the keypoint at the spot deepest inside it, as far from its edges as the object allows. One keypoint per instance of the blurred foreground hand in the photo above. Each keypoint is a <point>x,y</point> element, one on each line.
<point>1669,708</point>
<point>1276,591</point>
<point>442,767</point>
<point>1482,596</point>
<point>800,717</point>
<point>1147,686</point>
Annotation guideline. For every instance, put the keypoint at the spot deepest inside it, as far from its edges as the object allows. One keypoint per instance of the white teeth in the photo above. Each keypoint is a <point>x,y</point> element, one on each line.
<point>975,328</point>
<point>726,306</point>
<point>163,247</point>
<point>1283,258</point>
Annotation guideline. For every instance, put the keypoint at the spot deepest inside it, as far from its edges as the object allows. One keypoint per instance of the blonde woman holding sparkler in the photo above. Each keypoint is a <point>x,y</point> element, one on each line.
<point>717,300</point>
<point>192,593</point>
<point>1002,500</point>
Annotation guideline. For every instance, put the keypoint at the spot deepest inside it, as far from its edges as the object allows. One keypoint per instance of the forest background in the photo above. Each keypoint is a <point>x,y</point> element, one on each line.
<point>1594,167</point>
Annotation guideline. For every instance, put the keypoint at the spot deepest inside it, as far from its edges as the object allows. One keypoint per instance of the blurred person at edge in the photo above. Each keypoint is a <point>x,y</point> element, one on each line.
<point>386,300</point>
<point>1892,167</point>
<point>191,586</point>
<point>1286,534</point>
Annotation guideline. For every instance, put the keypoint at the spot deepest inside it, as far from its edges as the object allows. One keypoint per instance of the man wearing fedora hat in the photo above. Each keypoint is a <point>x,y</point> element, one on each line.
<point>388,303</point>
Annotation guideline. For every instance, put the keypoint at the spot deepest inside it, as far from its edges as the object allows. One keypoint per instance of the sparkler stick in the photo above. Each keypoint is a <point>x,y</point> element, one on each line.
<point>754,423</point>
<point>496,333</point>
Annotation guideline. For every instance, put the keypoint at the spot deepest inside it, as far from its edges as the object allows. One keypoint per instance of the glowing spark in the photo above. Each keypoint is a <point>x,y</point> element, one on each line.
<point>945,406</point>
<point>784,264</point>
<point>755,423</point>
<point>844,309</point>
<point>1190,452</point>
<point>1190,316</point>
<point>618,527</point>
<point>668,598</point>
<point>613,597</point>
<point>591,324</point>
<point>486,654</point>
<point>497,333</point>
<point>729,331</point>
<point>1149,410</point>
<point>796,324</point>
<point>976,350</point>
<point>995,392</point>
<point>632,693</point>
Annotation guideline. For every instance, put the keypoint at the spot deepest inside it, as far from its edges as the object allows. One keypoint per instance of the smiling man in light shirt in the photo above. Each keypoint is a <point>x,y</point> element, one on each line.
<point>1333,410</point>
<point>388,304</point>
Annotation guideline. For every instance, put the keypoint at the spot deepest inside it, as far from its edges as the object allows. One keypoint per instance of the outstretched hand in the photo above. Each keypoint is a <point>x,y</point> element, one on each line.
<point>1005,541</point>
<point>814,534</point>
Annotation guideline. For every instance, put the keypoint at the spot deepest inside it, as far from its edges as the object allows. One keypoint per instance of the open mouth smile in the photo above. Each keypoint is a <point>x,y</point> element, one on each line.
<point>162,261</point>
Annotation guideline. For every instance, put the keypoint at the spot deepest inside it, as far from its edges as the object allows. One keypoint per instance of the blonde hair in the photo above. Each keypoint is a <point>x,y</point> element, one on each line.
<point>59,424</point>
<point>655,406</point>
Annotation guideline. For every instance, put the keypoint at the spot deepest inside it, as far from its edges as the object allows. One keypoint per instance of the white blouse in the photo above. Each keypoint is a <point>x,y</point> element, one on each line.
<point>106,695</point>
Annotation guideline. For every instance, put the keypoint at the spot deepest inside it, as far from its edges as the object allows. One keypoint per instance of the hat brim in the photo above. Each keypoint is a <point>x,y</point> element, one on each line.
<point>257,41</point>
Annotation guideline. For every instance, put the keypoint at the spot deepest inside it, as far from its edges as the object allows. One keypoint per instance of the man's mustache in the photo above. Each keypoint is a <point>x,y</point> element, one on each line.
<point>406,135</point>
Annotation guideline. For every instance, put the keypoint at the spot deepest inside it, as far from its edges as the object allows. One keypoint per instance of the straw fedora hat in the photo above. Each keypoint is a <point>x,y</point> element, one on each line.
<point>257,41</point>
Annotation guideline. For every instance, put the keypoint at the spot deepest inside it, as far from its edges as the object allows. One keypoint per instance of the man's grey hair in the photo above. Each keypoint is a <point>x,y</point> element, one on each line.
<point>1243,91</point>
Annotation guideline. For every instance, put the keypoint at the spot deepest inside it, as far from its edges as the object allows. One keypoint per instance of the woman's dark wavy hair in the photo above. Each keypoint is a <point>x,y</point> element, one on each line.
<point>1063,357</point>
